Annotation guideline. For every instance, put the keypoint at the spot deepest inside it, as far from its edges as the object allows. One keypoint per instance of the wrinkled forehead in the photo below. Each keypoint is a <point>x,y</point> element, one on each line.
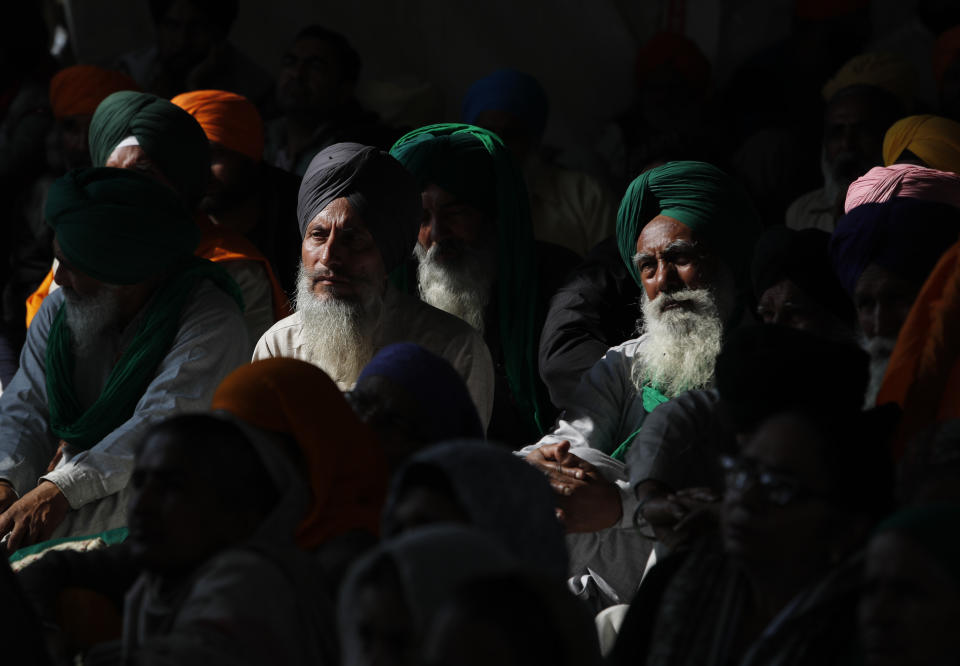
<point>663,232</point>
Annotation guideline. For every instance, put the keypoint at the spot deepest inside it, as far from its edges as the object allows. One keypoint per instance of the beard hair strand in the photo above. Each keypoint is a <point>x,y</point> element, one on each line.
<point>462,290</point>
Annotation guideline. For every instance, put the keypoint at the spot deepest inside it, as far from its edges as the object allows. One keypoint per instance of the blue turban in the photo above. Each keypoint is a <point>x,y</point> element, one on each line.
<point>511,91</point>
<point>904,236</point>
<point>447,410</point>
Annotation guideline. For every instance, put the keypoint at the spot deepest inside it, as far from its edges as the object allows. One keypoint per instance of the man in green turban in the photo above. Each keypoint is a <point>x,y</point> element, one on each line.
<point>139,330</point>
<point>477,259</point>
<point>685,231</point>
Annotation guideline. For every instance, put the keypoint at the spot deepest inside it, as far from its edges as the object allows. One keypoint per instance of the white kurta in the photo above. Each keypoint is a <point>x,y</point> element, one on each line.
<point>211,342</point>
<point>404,319</point>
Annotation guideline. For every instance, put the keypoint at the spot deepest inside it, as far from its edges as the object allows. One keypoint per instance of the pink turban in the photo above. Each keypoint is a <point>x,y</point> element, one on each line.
<point>903,180</point>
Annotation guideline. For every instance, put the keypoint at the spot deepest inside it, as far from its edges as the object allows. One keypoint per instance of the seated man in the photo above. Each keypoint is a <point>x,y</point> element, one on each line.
<point>359,213</point>
<point>478,260</point>
<point>141,329</point>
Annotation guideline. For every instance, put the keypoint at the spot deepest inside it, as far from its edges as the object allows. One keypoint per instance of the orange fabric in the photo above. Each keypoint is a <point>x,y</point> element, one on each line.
<point>923,375</point>
<point>35,300</point>
<point>221,244</point>
<point>945,52</point>
<point>78,90</point>
<point>677,51</point>
<point>226,118</point>
<point>345,463</point>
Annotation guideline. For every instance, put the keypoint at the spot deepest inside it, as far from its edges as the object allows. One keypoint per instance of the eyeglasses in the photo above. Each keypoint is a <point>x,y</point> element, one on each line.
<point>780,489</point>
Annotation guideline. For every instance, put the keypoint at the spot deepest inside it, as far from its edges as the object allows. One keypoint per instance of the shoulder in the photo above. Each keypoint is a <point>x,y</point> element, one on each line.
<point>281,338</point>
<point>421,320</point>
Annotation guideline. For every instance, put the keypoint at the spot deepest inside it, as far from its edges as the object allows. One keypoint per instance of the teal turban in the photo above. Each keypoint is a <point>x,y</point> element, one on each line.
<point>119,226</point>
<point>473,164</point>
<point>170,137</point>
<point>702,197</point>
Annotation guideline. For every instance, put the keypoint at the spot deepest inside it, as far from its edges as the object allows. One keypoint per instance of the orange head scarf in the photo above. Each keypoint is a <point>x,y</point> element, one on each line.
<point>78,90</point>
<point>933,139</point>
<point>945,52</point>
<point>227,118</point>
<point>345,464</point>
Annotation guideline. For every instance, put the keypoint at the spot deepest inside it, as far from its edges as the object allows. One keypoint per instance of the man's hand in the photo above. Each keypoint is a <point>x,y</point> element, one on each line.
<point>586,502</point>
<point>34,516</point>
<point>677,518</point>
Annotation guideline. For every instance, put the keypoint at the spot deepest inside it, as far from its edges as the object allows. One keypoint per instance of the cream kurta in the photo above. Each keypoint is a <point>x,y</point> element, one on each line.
<point>404,319</point>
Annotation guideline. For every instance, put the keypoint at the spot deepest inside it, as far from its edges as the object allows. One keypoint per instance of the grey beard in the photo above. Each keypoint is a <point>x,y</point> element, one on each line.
<point>339,332</point>
<point>879,350</point>
<point>91,319</point>
<point>679,349</point>
<point>462,290</point>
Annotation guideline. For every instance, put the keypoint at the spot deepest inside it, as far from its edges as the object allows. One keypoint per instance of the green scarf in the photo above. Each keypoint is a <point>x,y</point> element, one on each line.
<point>473,164</point>
<point>652,398</point>
<point>137,366</point>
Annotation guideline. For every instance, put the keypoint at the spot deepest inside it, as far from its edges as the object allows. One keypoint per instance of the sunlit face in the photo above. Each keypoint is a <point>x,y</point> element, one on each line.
<point>670,258</point>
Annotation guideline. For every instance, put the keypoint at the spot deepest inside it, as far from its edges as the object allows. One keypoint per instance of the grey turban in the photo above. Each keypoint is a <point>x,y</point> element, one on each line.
<point>383,192</point>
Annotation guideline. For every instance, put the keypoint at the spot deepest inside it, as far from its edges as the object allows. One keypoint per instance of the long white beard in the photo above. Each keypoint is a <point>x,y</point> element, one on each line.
<point>462,290</point>
<point>92,318</point>
<point>339,331</point>
<point>879,350</point>
<point>680,346</point>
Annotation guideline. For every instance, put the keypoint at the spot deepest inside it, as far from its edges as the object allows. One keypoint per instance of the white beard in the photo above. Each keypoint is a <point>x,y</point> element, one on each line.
<point>680,346</point>
<point>92,319</point>
<point>879,350</point>
<point>463,290</point>
<point>340,331</point>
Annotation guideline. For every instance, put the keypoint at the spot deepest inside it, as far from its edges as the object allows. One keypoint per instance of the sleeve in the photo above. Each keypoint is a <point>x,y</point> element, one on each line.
<point>470,357</point>
<point>257,292</point>
<point>26,443</point>
<point>211,342</point>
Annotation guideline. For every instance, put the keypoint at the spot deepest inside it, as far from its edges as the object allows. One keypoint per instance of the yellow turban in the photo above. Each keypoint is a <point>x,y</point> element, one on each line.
<point>879,70</point>
<point>933,139</point>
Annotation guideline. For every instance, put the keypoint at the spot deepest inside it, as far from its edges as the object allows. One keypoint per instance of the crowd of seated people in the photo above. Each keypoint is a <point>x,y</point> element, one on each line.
<point>485,416</point>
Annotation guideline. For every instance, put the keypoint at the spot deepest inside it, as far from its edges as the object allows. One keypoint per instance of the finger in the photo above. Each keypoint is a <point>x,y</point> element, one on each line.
<point>559,513</point>
<point>16,538</point>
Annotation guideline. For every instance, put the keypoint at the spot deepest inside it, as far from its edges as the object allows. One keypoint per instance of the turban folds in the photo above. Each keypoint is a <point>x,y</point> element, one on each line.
<point>702,197</point>
<point>227,118</point>
<point>78,90</point>
<point>169,136</point>
<point>802,258</point>
<point>933,139</point>
<point>119,226</point>
<point>343,460</point>
<point>904,236</point>
<point>376,185</point>
<point>903,180</point>
<point>446,408</point>
<point>886,71</point>
<point>511,91</point>
<point>473,164</point>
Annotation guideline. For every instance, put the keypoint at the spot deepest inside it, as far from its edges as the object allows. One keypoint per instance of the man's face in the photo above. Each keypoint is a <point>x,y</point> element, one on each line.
<point>311,78</point>
<point>910,608</point>
<point>786,304</point>
<point>176,515</point>
<point>78,283</point>
<point>185,36</point>
<point>135,158</point>
<point>340,255</point>
<point>232,180</point>
<point>455,227</point>
<point>670,259</point>
<point>883,301</point>
<point>853,138</point>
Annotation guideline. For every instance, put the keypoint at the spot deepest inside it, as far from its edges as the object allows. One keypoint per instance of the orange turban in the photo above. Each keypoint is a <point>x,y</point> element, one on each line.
<point>227,118</point>
<point>344,461</point>
<point>78,90</point>
<point>933,139</point>
<point>945,52</point>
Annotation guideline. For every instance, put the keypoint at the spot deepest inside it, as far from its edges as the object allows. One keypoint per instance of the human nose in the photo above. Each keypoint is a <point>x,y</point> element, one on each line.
<point>666,279</point>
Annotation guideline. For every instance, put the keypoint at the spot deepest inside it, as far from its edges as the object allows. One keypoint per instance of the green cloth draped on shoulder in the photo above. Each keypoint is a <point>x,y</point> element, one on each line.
<point>473,164</point>
<point>652,398</point>
<point>123,228</point>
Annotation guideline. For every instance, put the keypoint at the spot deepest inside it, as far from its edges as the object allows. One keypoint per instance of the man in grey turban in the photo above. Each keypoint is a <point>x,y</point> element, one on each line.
<point>359,213</point>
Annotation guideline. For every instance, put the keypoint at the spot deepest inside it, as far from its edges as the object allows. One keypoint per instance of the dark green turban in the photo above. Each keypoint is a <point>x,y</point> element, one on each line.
<point>170,137</point>
<point>472,164</point>
<point>702,197</point>
<point>119,226</point>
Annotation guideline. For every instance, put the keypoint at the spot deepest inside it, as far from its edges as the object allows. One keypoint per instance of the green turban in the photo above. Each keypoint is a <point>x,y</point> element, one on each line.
<point>119,226</point>
<point>170,136</point>
<point>473,164</point>
<point>702,197</point>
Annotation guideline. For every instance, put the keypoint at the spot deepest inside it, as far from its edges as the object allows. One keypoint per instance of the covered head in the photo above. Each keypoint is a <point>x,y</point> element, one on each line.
<point>933,139</point>
<point>933,527</point>
<point>903,236</point>
<point>700,196</point>
<point>519,514</point>
<point>79,89</point>
<point>405,386</point>
<point>510,91</point>
<point>903,180</point>
<point>946,52</point>
<point>227,118</point>
<point>678,53</point>
<point>884,71</point>
<point>343,461</point>
<point>171,138</point>
<point>118,226</point>
<point>474,166</point>
<point>802,258</point>
<point>376,185</point>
